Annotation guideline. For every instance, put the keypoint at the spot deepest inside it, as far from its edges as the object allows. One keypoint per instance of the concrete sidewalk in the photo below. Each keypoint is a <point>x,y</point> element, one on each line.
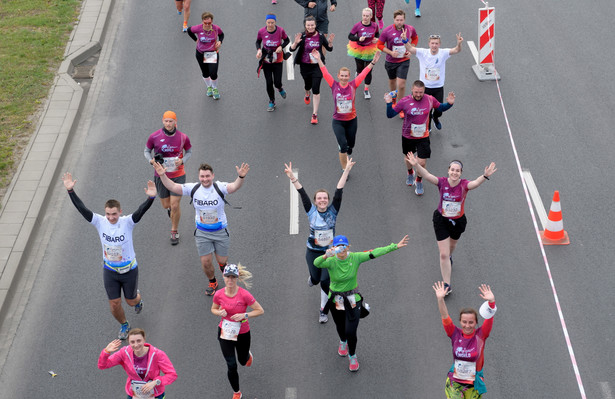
<point>26,196</point>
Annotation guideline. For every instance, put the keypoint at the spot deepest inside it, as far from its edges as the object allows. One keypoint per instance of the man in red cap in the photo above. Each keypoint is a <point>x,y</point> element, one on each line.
<point>171,148</point>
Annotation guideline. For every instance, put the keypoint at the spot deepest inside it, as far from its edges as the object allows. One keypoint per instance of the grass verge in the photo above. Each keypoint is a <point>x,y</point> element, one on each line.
<point>34,36</point>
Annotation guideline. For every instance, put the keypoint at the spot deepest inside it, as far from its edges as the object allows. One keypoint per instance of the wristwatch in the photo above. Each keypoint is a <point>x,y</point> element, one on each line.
<point>158,382</point>
<point>246,316</point>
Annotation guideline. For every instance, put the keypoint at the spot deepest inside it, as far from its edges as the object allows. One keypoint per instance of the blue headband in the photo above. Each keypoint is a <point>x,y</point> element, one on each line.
<point>270,16</point>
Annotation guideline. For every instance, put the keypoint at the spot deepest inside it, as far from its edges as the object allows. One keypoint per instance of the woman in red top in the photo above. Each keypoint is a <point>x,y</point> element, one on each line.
<point>465,377</point>
<point>449,220</point>
<point>345,115</point>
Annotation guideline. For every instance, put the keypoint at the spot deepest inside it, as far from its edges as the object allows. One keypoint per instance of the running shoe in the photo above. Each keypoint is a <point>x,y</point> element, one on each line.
<point>283,93</point>
<point>274,1</point>
<point>410,179</point>
<point>401,114</point>
<point>448,288</point>
<point>380,24</point>
<point>139,306</point>
<point>322,317</point>
<point>354,363</point>
<point>310,283</point>
<point>185,28</point>
<point>366,94</point>
<point>418,189</point>
<point>306,100</point>
<point>124,328</point>
<point>314,120</point>
<point>407,1</point>
<point>211,289</point>
<point>237,395</point>
<point>342,349</point>
<point>174,238</point>
<point>179,13</point>
<point>216,94</point>
<point>210,91</point>
<point>436,122</point>
<point>249,362</point>
<point>271,106</point>
<point>417,13</point>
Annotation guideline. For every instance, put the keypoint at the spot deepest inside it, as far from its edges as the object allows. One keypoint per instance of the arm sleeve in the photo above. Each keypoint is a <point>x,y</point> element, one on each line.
<point>365,256</point>
<point>380,44</point>
<point>148,154</point>
<point>390,111</point>
<point>167,368</point>
<point>320,261</point>
<point>259,41</point>
<point>191,34</point>
<point>327,76</point>
<point>354,38</point>
<point>337,199</point>
<point>359,79</point>
<point>106,360</point>
<point>285,42</point>
<point>87,214</point>
<point>448,325</point>
<point>187,154</point>
<point>305,199</point>
<point>415,39</point>
<point>136,217</point>
<point>444,107</point>
<point>221,37</point>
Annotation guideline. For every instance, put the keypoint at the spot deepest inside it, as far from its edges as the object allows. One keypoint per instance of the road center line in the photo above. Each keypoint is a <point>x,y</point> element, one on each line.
<point>294,207</point>
<point>531,186</point>
<point>290,65</point>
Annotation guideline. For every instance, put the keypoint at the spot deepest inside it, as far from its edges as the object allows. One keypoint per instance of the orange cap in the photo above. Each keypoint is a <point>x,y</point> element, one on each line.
<point>169,115</point>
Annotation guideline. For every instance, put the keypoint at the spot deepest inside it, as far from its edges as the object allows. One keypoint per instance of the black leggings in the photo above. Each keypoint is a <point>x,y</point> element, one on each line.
<point>316,274</point>
<point>346,134</point>
<point>312,76</point>
<point>347,323</point>
<point>208,70</point>
<point>242,346</point>
<point>361,65</point>
<point>273,77</point>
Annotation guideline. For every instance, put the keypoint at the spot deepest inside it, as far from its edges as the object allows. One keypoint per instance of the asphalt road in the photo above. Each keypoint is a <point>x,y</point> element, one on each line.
<point>556,89</point>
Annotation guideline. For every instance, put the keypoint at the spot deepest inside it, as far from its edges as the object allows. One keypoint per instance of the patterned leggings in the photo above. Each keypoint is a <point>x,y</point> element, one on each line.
<point>377,6</point>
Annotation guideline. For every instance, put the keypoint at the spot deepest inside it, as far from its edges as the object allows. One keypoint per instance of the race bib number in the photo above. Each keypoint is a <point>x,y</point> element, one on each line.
<point>465,371</point>
<point>137,387</point>
<point>113,253</point>
<point>451,209</point>
<point>209,216</point>
<point>169,164</point>
<point>432,73</point>
<point>210,57</point>
<point>230,330</point>
<point>418,130</point>
<point>399,51</point>
<point>344,106</point>
<point>339,302</point>
<point>323,238</point>
<point>312,59</point>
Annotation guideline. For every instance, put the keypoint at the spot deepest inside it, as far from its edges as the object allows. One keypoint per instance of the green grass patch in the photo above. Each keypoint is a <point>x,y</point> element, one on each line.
<point>34,35</point>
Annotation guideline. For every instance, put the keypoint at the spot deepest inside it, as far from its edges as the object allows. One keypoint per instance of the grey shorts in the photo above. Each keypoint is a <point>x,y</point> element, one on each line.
<point>208,242</point>
<point>163,192</point>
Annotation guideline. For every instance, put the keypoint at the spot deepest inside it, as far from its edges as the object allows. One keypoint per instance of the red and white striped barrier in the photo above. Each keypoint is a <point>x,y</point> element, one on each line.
<point>485,66</point>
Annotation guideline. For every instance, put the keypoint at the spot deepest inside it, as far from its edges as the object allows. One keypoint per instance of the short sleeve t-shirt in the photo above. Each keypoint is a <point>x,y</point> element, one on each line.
<point>140,364</point>
<point>416,120</point>
<point>452,199</point>
<point>234,305</point>
<point>391,37</point>
<point>206,39</point>
<point>171,148</point>
<point>343,98</point>
<point>271,41</point>
<point>311,42</point>
<point>116,240</point>
<point>208,206</point>
<point>432,67</point>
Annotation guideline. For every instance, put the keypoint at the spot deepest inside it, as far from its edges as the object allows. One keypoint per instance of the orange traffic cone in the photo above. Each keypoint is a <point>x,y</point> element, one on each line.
<point>554,233</point>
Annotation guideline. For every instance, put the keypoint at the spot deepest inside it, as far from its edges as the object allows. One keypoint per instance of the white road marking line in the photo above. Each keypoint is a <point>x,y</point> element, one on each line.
<point>473,50</point>
<point>291,393</point>
<point>290,66</point>
<point>531,187</point>
<point>606,390</point>
<point>294,208</point>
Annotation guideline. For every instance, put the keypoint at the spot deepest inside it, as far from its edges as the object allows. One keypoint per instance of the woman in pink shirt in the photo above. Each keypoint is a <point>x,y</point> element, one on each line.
<point>148,368</point>
<point>231,304</point>
<point>345,114</point>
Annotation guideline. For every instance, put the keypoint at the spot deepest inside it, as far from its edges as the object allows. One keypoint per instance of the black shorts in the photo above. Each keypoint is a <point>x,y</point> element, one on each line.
<point>163,192</point>
<point>312,75</point>
<point>115,283</point>
<point>420,146</point>
<point>445,227</point>
<point>397,70</point>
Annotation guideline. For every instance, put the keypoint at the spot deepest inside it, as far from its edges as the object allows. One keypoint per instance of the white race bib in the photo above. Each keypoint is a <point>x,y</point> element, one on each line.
<point>169,163</point>
<point>136,387</point>
<point>432,73</point>
<point>113,253</point>
<point>209,216</point>
<point>312,59</point>
<point>399,51</point>
<point>230,330</point>
<point>210,57</point>
<point>323,238</point>
<point>418,130</point>
<point>344,106</point>
<point>451,209</point>
<point>465,371</point>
